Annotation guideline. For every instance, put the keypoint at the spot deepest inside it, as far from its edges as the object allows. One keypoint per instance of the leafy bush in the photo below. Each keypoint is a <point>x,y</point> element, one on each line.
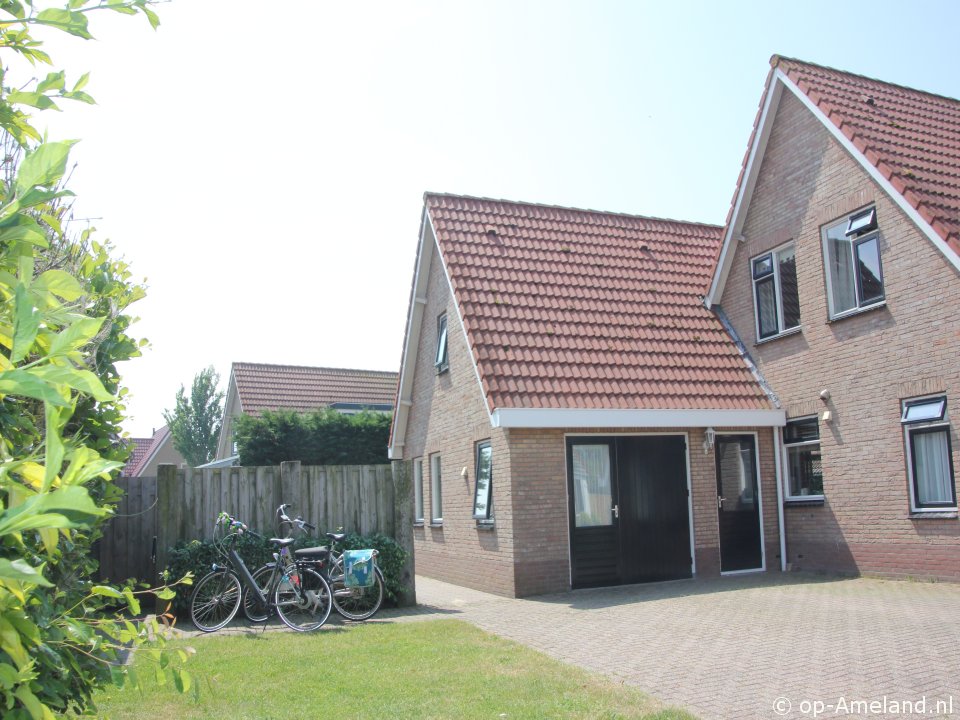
<point>198,556</point>
<point>320,437</point>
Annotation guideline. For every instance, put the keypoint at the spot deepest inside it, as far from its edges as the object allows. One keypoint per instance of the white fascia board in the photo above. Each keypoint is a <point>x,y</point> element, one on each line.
<point>408,362</point>
<point>577,418</point>
<point>895,195</point>
<point>463,328</point>
<point>744,193</point>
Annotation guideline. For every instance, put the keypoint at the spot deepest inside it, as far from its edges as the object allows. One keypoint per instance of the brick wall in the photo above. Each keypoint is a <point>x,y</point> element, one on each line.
<point>869,362</point>
<point>448,417</point>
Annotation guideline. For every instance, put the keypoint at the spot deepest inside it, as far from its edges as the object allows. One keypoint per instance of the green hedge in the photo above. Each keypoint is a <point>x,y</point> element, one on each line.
<point>198,557</point>
<point>320,437</point>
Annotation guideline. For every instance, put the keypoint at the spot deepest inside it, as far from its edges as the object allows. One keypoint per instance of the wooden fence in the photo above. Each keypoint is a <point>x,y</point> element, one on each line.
<point>183,504</point>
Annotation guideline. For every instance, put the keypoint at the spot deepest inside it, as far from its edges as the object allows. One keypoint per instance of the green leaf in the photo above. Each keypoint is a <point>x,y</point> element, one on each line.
<point>26,324</point>
<point>44,166</point>
<point>33,99</point>
<point>25,231</point>
<point>152,17</point>
<point>80,96</point>
<point>64,507</point>
<point>55,418</point>
<point>53,81</point>
<point>132,603</point>
<point>14,7</point>
<point>65,286</point>
<point>82,82</point>
<point>8,675</point>
<point>122,9</point>
<point>24,383</point>
<point>106,591</point>
<point>21,571</point>
<point>165,594</point>
<point>74,23</point>
<point>181,679</point>
<point>83,381</point>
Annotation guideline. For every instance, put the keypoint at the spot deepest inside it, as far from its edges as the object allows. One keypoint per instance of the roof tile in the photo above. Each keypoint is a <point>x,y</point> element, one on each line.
<point>584,309</point>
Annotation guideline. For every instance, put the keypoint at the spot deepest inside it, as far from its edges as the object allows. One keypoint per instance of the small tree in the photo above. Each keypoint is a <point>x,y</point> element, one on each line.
<point>195,422</point>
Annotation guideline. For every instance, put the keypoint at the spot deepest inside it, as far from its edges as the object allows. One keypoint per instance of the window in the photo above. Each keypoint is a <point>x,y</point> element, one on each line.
<point>442,362</point>
<point>483,492</point>
<point>436,497</point>
<point>775,292</point>
<point>851,252</point>
<point>418,490</point>
<point>801,443</point>
<point>930,459</point>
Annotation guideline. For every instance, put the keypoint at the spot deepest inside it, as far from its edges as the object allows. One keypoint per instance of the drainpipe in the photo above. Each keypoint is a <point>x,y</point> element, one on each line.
<point>777,455</point>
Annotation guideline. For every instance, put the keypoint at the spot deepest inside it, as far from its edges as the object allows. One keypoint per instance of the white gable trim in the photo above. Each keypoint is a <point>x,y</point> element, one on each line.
<point>428,248</point>
<point>742,202</point>
<point>582,418</point>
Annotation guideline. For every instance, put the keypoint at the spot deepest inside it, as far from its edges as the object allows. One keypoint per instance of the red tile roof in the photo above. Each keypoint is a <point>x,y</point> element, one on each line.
<point>140,448</point>
<point>153,445</point>
<point>911,137</point>
<point>568,308</point>
<point>288,387</point>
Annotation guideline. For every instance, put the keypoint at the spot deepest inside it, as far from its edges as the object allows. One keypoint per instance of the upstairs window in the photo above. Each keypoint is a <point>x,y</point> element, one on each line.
<point>436,492</point>
<point>851,256</point>
<point>801,444</point>
<point>929,455</point>
<point>442,361</point>
<point>775,292</point>
<point>418,490</point>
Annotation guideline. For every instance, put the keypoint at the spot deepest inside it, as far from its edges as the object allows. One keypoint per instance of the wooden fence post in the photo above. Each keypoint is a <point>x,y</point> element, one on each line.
<point>167,506</point>
<point>403,526</point>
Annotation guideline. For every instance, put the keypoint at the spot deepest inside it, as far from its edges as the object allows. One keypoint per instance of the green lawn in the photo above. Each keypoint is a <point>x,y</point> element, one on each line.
<point>427,669</point>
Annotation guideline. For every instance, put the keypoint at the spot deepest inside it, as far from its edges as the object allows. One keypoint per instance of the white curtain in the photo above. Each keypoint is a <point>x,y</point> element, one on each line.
<point>931,455</point>
<point>591,485</point>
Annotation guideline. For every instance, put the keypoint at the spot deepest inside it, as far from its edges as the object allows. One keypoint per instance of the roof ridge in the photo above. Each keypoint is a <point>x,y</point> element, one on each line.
<point>310,367</point>
<point>548,206</point>
<point>775,60</point>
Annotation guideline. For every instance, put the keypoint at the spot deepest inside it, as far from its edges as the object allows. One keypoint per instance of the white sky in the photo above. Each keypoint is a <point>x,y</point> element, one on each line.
<point>263,164</point>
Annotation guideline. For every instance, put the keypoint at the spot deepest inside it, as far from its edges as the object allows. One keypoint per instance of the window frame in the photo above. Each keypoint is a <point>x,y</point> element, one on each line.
<point>773,275</point>
<point>911,428</point>
<point>442,357</point>
<point>486,514</point>
<point>436,490</point>
<point>418,491</point>
<point>854,239</point>
<point>787,491</point>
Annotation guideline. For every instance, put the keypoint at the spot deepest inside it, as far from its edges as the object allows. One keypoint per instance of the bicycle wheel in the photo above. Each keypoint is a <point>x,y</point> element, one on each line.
<point>355,603</point>
<point>303,600</point>
<point>254,611</point>
<point>215,600</point>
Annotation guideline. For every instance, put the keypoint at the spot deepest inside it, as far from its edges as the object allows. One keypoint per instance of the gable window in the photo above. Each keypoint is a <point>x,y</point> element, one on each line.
<point>442,361</point>
<point>436,496</point>
<point>483,492</point>
<point>851,256</point>
<point>418,491</point>
<point>801,443</point>
<point>775,293</point>
<point>929,455</point>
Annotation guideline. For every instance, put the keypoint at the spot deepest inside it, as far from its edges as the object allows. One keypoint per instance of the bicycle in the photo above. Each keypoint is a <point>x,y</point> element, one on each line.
<point>355,602</point>
<point>295,591</point>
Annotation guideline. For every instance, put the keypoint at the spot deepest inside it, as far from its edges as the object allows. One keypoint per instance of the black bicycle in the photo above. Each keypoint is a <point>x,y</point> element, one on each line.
<point>292,589</point>
<point>356,581</point>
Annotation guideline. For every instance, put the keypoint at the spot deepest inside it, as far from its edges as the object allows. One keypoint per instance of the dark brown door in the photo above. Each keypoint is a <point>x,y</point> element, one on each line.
<point>738,503</point>
<point>629,509</point>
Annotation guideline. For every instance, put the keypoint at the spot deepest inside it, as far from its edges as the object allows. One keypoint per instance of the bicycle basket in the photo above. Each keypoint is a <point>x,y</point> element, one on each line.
<point>358,568</point>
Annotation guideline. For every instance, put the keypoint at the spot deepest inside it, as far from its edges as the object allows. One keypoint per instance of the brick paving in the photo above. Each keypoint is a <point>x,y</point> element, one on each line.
<point>729,648</point>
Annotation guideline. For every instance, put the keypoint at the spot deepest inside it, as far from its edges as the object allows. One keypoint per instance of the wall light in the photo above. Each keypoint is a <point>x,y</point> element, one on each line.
<point>709,435</point>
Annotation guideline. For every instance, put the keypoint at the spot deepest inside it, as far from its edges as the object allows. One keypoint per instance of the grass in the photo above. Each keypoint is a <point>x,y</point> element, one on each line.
<point>427,669</point>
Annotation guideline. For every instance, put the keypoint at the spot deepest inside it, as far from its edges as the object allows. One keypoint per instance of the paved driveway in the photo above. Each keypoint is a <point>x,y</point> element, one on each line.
<point>747,646</point>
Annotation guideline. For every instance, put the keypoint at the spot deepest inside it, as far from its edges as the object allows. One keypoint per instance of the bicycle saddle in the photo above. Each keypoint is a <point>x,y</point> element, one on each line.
<point>336,537</point>
<point>281,542</point>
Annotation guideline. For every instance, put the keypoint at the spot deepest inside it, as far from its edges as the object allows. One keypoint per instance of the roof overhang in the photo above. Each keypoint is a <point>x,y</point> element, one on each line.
<point>583,418</point>
<point>777,84</point>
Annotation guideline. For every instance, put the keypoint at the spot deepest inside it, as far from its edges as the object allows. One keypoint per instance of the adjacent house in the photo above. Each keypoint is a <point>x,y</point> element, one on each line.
<point>255,387</point>
<point>590,398</point>
<point>149,453</point>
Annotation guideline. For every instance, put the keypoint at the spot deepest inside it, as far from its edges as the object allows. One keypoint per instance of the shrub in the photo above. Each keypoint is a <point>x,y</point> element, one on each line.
<point>198,556</point>
<point>321,437</point>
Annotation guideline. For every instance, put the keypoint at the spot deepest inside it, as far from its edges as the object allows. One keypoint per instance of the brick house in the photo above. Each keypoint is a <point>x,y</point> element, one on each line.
<point>839,272</point>
<point>255,387</point>
<point>590,398</point>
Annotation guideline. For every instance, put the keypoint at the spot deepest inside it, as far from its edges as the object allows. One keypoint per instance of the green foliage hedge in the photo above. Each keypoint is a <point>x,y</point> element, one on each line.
<point>198,557</point>
<point>320,437</point>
